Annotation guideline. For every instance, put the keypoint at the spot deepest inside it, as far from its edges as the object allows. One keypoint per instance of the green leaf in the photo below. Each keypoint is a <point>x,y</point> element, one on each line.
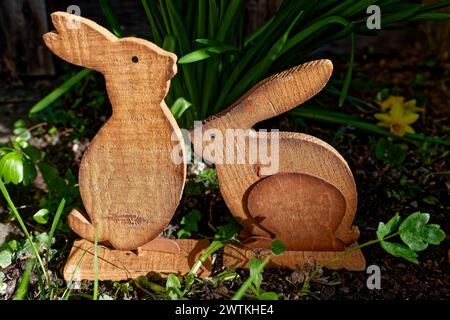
<point>255,273</point>
<point>41,216</point>
<point>430,200</point>
<point>205,53</point>
<point>15,168</point>
<point>190,220</point>
<point>179,107</point>
<point>227,232</point>
<point>348,75</point>
<point>24,281</point>
<point>278,247</point>
<point>22,134</point>
<point>433,234</point>
<point>400,250</point>
<point>385,229</point>
<point>5,259</point>
<point>240,293</point>
<point>411,231</point>
<point>173,287</point>
<point>268,296</point>
<point>112,20</point>
<point>12,168</point>
<point>34,153</point>
<point>390,153</point>
<point>169,43</point>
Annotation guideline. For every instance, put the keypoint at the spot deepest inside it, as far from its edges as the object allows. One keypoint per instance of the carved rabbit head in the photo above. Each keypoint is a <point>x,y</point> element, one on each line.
<point>82,42</point>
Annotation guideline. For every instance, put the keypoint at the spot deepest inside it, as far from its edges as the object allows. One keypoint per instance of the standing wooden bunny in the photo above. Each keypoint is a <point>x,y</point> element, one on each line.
<point>310,202</point>
<point>129,185</point>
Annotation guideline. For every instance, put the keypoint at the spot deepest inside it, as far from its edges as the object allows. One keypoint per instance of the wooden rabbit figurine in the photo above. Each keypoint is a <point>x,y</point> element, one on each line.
<point>309,204</point>
<point>129,185</point>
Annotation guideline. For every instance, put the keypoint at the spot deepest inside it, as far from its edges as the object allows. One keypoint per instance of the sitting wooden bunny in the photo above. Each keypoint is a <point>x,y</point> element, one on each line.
<point>310,203</point>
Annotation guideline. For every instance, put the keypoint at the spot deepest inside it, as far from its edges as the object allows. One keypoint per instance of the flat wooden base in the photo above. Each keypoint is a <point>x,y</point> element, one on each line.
<point>118,265</point>
<point>122,265</point>
<point>235,256</point>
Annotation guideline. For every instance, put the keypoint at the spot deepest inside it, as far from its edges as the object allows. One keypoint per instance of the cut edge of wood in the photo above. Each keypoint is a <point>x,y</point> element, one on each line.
<point>238,257</point>
<point>119,265</point>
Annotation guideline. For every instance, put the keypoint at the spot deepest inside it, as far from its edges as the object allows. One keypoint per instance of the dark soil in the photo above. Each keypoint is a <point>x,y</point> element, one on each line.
<point>383,189</point>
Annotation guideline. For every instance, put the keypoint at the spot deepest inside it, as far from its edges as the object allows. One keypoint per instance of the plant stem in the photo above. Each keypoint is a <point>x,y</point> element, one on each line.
<point>241,292</point>
<point>95,294</point>
<point>346,253</point>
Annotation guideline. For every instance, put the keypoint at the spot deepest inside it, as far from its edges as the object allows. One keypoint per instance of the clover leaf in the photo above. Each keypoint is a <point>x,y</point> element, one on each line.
<point>416,234</point>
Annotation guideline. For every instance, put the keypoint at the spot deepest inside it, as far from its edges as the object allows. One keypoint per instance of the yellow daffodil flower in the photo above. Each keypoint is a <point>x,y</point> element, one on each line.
<point>398,120</point>
<point>389,102</point>
<point>411,106</point>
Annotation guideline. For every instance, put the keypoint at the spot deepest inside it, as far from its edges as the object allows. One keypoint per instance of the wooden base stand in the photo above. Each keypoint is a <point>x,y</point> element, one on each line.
<point>122,265</point>
<point>238,257</point>
<point>118,265</point>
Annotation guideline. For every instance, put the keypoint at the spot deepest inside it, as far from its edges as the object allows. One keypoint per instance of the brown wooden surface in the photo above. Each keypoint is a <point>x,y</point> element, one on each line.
<point>238,257</point>
<point>323,221</point>
<point>303,210</point>
<point>129,185</point>
<point>122,265</point>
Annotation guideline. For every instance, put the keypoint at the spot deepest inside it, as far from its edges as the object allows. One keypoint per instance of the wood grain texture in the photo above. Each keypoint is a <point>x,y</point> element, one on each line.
<point>295,197</point>
<point>238,257</point>
<point>119,265</point>
<point>129,184</point>
<point>329,174</point>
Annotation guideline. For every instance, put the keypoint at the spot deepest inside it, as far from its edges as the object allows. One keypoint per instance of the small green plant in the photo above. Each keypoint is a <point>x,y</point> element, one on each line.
<point>254,281</point>
<point>390,153</point>
<point>124,288</point>
<point>190,224</point>
<point>177,289</point>
<point>414,231</point>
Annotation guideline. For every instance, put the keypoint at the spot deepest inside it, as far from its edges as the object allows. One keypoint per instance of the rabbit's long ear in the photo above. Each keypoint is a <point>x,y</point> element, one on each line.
<point>79,40</point>
<point>280,93</point>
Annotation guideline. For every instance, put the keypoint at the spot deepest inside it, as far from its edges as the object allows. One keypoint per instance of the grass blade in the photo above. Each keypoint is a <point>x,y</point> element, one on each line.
<point>346,119</point>
<point>24,281</point>
<point>157,37</point>
<point>24,228</point>
<point>205,53</point>
<point>95,294</point>
<point>348,76</point>
<point>111,18</point>
<point>55,225</point>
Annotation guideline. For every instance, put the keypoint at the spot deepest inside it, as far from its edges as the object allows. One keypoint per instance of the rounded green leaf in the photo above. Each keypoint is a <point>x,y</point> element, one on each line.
<point>400,250</point>
<point>411,231</point>
<point>433,234</point>
<point>385,229</point>
<point>5,258</point>
<point>11,167</point>
<point>278,247</point>
<point>41,216</point>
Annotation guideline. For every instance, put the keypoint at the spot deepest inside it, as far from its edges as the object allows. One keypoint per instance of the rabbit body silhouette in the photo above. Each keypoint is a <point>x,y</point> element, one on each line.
<point>129,184</point>
<point>310,202</point>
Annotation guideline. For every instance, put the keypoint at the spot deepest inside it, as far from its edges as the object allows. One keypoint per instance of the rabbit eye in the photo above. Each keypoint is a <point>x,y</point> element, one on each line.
<point>135,59</point>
